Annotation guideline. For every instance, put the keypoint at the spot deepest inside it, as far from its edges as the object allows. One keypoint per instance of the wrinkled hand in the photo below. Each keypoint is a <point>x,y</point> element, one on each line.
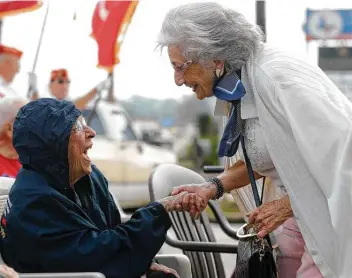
<point>174,203</point>
<point>197,198</point>
<point>8,272</point>
<point>269,216</point>
<point>163,268</point>
<point>104,85</point>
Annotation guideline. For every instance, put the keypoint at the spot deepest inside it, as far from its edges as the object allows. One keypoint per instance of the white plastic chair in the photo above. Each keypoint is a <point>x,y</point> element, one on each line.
<point>5,186</point>
<point>194,237</point>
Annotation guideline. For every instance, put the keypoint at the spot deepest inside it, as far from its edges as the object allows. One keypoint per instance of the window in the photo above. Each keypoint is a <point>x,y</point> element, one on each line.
<point>95,122</point>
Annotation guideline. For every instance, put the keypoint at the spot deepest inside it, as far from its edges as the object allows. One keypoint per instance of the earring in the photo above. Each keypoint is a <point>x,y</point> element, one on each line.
<point>218,73</point>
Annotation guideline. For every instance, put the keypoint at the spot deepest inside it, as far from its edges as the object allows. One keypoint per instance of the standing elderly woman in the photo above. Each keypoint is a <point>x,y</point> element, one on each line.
<point>297,130</point>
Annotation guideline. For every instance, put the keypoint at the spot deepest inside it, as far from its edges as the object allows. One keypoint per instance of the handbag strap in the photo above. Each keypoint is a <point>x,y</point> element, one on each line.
<point>257,199</point>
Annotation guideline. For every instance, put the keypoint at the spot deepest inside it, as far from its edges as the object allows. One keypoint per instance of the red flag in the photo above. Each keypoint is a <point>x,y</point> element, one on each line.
<point>110,21</point>
<point>15,7</point>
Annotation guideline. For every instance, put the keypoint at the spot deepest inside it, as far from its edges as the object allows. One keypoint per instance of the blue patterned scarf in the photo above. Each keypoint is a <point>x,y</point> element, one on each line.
<point>231,89</point>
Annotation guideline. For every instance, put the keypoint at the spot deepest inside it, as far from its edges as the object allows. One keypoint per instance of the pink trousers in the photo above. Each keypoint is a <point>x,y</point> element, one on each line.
<point>294,260</point>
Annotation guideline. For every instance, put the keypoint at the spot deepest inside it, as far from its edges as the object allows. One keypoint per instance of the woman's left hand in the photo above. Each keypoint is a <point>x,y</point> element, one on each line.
<point>163,268</point>
<point>8,272</point>
<point>269,216</point>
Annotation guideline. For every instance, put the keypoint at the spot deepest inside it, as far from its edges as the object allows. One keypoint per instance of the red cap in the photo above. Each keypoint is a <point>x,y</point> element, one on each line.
<point>10,50</point>
<point>59,73</point>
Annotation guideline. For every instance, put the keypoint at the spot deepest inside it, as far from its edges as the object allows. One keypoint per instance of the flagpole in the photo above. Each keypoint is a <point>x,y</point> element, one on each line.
<point>39,44</point>
<point>110,97</point>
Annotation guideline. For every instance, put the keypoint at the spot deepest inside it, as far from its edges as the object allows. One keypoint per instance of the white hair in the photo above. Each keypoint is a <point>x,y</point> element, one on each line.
<point>9,107</point>
<point>208,31</point>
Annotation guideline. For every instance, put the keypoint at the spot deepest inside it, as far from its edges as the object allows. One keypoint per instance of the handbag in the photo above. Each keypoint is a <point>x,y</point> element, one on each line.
<point>255,257</point>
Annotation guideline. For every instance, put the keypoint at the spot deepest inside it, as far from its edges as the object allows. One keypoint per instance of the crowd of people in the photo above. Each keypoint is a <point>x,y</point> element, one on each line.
<point>296,126</point>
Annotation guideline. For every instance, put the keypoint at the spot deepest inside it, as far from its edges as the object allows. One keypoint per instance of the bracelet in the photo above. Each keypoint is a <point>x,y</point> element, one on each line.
<point>219,188</point>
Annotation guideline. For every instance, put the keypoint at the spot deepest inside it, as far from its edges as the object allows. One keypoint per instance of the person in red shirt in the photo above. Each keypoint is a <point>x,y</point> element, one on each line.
<point>10,59</point>
<point>9,164</point>
<point>9,66</point>
<point>60,84</point>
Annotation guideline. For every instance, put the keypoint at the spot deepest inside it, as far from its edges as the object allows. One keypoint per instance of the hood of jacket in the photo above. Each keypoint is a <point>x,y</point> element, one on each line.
<point>41,136</point>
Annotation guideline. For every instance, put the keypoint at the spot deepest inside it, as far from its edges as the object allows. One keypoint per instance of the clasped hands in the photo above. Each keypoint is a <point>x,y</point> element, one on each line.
<point>192,198</point>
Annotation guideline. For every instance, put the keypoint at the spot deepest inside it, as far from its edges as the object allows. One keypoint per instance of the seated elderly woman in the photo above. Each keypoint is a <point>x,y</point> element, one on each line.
<point>9,164</point>
<point>297,129</point>
<point>60,216</point>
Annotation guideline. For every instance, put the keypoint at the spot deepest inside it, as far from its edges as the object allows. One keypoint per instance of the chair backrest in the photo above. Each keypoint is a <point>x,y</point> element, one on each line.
<point>161,182</point>
<point>5,186</point>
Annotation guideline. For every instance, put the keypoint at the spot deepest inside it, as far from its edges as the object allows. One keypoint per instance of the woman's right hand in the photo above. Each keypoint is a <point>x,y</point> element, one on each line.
<point>204,191</point>
<point>269,216</point>
<point>7,272</point>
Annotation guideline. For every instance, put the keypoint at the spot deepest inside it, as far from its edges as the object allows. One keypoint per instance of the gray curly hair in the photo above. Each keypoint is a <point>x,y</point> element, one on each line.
<point>208,31</point>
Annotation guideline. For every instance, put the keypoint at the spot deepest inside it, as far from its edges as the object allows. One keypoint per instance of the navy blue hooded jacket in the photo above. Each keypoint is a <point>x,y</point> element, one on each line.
<point>49,227</point>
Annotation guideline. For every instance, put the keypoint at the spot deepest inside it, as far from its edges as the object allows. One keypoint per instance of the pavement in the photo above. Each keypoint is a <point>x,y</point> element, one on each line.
<point>229,260</point>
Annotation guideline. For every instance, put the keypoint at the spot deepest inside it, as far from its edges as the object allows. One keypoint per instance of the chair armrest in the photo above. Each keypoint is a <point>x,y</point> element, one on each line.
<point>63,275</point>
<point>213,247</point>
<point>125,218</point>
<point>213,169</point>
<point>222,220</point>
<point>179,262</point>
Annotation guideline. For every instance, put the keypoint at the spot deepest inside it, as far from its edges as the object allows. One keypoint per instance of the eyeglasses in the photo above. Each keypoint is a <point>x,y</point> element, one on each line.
<point>61,81</point>
<point>183,67</point>
<point>79,126</point>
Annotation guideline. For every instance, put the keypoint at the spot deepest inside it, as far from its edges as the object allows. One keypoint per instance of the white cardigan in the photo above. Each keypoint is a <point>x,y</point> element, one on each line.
<point>307,125</point>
